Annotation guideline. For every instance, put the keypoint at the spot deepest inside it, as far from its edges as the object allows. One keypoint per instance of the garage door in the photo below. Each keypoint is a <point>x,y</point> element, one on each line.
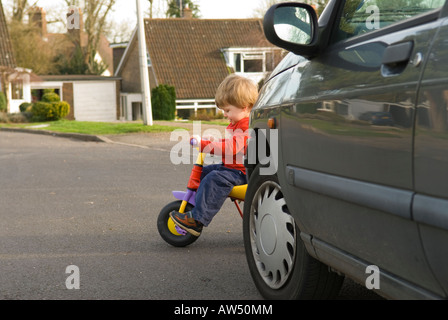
<point>95,101</point>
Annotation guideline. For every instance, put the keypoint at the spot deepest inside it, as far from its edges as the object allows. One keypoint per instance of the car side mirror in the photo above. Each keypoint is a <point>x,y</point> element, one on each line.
<point>292,26</point>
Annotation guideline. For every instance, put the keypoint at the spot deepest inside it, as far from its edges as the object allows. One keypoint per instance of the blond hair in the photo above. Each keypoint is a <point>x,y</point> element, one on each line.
<point>237,91</point>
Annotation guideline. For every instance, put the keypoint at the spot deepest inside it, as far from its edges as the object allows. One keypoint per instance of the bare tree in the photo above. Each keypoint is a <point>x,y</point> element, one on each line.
<point>176,8</point>
<point>120,31</point>
<point>95,14</point>
<point>19,9</point>
<point>157,8</point>
<point>151,3</point>
<point>30,49</point>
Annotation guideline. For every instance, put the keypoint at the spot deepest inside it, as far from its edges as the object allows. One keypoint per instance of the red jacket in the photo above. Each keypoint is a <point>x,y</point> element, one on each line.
<point>232,148</point>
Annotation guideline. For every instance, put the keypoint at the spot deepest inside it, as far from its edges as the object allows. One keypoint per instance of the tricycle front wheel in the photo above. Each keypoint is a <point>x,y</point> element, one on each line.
<point>167,228</point>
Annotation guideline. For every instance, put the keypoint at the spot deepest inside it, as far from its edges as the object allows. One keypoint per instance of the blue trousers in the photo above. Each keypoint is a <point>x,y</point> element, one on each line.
<point>216,183</point>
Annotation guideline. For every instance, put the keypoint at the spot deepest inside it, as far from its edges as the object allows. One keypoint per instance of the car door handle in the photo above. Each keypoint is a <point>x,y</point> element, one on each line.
<point>398,53</point>
<point>396,57</point>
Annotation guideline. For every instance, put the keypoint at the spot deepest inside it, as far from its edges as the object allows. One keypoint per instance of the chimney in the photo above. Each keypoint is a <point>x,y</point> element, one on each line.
<point>38,18</point>
<point>187,13</point>
<point>75,25</point>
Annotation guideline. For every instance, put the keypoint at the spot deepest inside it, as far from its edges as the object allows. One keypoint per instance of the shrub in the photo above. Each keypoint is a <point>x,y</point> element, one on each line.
<point>62,108</point>
<point>3,102</point>
<point>18,117</point>
<point>206,115</point>
<point>3,117</point>
<point>163,100</point>
<point>28,115</point>
<point>24,106</point>
<point>44,111</point>
<point>51,97</point>
<point>48,91</point>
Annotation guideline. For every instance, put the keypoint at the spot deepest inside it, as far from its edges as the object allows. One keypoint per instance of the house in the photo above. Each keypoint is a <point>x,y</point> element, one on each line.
<point>91,97</point>
<point>14,81</point>
<point>194,56</point>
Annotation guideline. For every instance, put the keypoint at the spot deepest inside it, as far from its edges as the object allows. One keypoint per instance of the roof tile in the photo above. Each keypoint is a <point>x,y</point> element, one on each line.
<point>186,53</point>
<point>6,52</point>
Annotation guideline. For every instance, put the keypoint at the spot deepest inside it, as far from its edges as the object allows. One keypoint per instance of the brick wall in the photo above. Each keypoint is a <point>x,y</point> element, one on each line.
<point>131,73</point>
<point>67,94</point>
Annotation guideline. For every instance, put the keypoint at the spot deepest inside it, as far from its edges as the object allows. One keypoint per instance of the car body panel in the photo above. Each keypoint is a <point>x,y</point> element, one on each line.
<point>430,207</point>
<point>348,178</point>
<point>321,119</point>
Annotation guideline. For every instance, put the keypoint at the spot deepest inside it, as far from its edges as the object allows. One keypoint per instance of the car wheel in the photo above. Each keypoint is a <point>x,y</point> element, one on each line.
<point>278,261</point>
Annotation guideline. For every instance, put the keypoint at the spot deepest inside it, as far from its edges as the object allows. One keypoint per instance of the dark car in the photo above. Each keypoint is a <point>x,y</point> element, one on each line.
<point>330,195</point>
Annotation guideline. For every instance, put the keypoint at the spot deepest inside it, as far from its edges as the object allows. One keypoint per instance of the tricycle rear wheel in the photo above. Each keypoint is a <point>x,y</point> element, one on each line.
<point>166,226</point>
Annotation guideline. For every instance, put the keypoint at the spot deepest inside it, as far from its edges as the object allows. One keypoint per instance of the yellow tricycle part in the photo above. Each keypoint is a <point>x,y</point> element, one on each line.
<point>201,158</point>
<point>171,224</point>
<point>183,206</point>
<point>238,192</point>
<point>172,227</point>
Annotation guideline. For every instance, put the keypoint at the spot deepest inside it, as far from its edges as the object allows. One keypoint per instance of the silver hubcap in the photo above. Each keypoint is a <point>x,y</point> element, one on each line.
<point>273,235</point>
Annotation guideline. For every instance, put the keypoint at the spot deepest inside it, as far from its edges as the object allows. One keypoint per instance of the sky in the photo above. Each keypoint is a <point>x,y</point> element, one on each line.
<point>124,11</point>
<point>210,9</point>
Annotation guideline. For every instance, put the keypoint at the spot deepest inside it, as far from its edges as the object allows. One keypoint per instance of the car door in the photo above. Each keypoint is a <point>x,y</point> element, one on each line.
<point>430,207</point>
<point>348,118</point>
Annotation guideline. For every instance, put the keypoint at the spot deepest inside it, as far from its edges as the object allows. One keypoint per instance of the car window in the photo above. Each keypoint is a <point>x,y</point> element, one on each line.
<point>363,16</point>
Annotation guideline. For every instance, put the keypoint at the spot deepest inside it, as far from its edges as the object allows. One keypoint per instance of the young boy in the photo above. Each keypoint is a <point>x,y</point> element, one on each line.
<point>236,96</point>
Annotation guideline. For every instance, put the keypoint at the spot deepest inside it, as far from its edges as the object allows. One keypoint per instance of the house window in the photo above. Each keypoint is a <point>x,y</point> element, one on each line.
<point>237,62</point>
<point>246,60</point>
<point>253,62</point>
<point>17,90</point>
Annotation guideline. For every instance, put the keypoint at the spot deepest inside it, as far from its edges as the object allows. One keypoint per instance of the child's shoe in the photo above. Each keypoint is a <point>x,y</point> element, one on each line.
<point>187,222</point>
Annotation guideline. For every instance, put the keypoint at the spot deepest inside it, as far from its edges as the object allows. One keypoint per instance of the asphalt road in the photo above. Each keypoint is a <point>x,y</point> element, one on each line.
<point>94,205</point>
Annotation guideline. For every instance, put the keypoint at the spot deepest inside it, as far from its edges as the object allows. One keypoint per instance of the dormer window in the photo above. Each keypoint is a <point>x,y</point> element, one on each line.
<point>250,60</point>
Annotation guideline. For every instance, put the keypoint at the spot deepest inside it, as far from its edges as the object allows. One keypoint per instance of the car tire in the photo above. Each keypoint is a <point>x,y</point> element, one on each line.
<point>279,264</point>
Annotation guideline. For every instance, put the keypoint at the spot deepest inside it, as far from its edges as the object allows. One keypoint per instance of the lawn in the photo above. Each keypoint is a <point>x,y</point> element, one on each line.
<point>94,128</point>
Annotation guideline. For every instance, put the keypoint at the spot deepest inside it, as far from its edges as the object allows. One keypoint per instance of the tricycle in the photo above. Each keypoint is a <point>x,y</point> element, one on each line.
<point>185,202</point>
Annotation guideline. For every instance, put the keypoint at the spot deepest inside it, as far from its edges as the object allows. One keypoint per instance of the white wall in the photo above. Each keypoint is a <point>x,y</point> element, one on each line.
<point>126,104</point>
<point>95,101</point>
<point>14,104</point>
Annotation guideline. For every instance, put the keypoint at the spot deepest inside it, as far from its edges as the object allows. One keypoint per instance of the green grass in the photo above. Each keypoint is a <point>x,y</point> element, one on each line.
<point>94,128</point>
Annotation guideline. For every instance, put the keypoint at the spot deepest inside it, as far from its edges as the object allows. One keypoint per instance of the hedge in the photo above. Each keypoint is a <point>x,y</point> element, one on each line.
<point>63,108</point>
<point>163,102</point>
<point>45,111</point>
<point>25,106</point>
<point>50,97</point>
